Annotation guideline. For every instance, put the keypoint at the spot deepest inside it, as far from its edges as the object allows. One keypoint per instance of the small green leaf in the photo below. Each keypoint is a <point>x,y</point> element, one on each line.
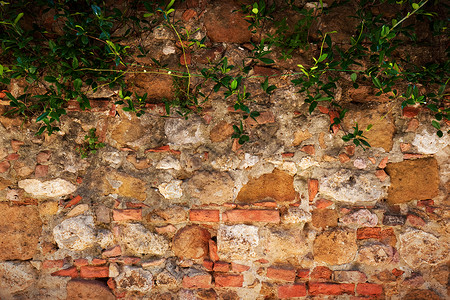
<point>436,124</point>
<point>369,127</point>
<point>170,4</point>
<point>1,70</point>
<point>74,63</point>
<point>266,60</point>
<point>353,77</point>
<point>322,57</point>
<point>77,83</point>
<point>415,6</point>
<point>439,133</point>
<point>255,11</point>
<point>43,116</point>
<point>17,19</point>
<point>50,79</point>
<point>234,84</point>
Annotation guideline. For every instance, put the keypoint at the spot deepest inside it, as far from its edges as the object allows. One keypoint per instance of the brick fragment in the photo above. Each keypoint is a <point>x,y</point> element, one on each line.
<point>265,117</point>
<point>80,262</point>
<point>323,203</point>
<point>303,273</point>
<point>73,201</point>
<point>40,171</point>
<point>43,157</point>
<point>410,112</point>
<point>321,272</point>
<point>126,260</point>
<point>251,215</point>
<point>166,229</point>
<point>208,264</point>
<point>313,189</point>
<point>202,281</point>
<point>415,220</point>
<point>221,266</point>
<point>281,273</point>
<point>13,156</point>
<point>165,148</point>
<point>229,280</point>
<point>343,158</point>
<point>368,233</point>
<point>189,14</point>
<point>292,291</point>
<point>349,276</point>
<point>69,272</point>
<point>98,261</point>
<point>213,251</point>
<point>329,288</point>
<point>350,150</point>
<point>404,147</point>
<point>204,215</point>
<point>112,252</point>
<point>94,272</point>
<point>397,272</point>
<point>127,214</point>
<point>15,145</point>
<point>369,289</point>
<point>381,174</point>
<point>4,166</point>
<point>238,268</point>
<point>50,264</point>
<point>309,149</point>
<point>186,58</point>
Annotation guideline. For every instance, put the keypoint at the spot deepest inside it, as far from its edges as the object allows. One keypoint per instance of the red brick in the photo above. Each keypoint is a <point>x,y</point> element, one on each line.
<point>13,156</point>
<point>163,149</point>
<point>186,58</point>
<point>136,205</point>
<point>200,281</point>
<point>70,272</point>
<point>396,272</point>
<point>425,202</point>
<point>204,215</point>
<point>40,171</point>
<point>343,158</point>
<point>213,251</point>
<point>313,188</point>
<point>321,272</point>
<point>292,290</point>
<point>73,201</point>
<point>251,215</point>
<point>323,203</point>
<point>280,273</point>
<point>94,272</point>
<point>415,220</point>
<point>383,163</point>
<point>98,262</point>
<point>15,145</point>
<point>308,149</point>
<point>208,264</point>
<point>229,280</point>
<point>410,112</point>
<point>43,157</point>
<point>404,147</point>
<point>381,174</point>
<point>303,273</point>
<point>112,252</point>
<point>368,289</point>
<point>287,154</point>
<point>49,264</point>
<point>4,166</point>
<point>221,266</point>
<point>80,262</point>
<point>350,150</point>
<point>368,233</point>
<point>238,268</point>
<point>111,284</point>
<point>126,260</point>
<point>265,117</point>
<point>329,288</point>
<point>127,214</point>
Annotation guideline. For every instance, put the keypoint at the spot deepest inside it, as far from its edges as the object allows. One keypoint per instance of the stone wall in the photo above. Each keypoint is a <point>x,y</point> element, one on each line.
<point>175,209</point>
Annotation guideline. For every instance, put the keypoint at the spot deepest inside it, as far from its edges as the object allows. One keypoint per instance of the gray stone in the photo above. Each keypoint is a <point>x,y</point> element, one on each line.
<point>237,241</point>
<point>49,189</point>
<point>393,220</point>
<point>140,241</point>
<point>15,277</point>
<point>352,186</point>
<point>418,247</point>
<point>134,279</point>
<point>362,217</point>
<point>76,233</point>
<point>182,132</point>
<point>375,254</point>
<point>168,163</point>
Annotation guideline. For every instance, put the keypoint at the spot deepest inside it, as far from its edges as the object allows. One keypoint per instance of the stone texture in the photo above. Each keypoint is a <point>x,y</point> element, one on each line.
<point>224,23</point>
<point>413,180</point>
<point>427,141</point>
<point>134,280</point>
<point>15,277</point>
<point>237,241</point>
<point>184,132</point>
<point>277,185</point>
<point>349,276</point>
<point>76,233</point>
<point>157,86</point>
<point>221,132</point>
<point>281,245</point>
<point>137,240</point>
<point>191,242</point>
<point>295,215</point>
<point>352,186</point>
<point>171,190</point>
<point>335,247</point>
<point>80,289</point>
<point>418,247</point>
<point>47,189</point>
<point>124,185</point>
<point>127,131</point>
<point>211,187</point>
<point>20,229</point>
<point>421,295</point>
<point>362,217</point>
<point>375,254</point>
<point>322,218</point>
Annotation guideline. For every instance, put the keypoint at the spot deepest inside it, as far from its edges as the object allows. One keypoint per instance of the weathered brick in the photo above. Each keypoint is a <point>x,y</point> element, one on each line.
<point>349,276</point>
<point>229,280</point>
<point>251,215</point>
<point>281,273</point>
<point>50,264</point>
<point>98,262</point>
<point>112,252</point>
<point>202,281</point>
<point>208,264</point>
<point>368,289</point>
<point>73,201</point>
<point>204,215</point>
<point>238,268</point>
<point>303,273</point>
<point>368,233</point>
<point>213,251</point>
<point>309,149</point>
<point>313,189</point>
<point>322,218</point>
<point>410,111</point>
<point>292,291</point>
<point>80,262</point>
<point>94,272</point>
<point>415,220</point>
<point>221,266</point>
<point>127,214</point>
<point>396,272</point>
<point>323,203</point>
<point>329,288</point>
<point>321,272</point>
<point>69,272</point>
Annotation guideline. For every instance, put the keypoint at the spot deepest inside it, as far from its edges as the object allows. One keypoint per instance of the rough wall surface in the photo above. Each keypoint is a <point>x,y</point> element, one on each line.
<point>173,209</point>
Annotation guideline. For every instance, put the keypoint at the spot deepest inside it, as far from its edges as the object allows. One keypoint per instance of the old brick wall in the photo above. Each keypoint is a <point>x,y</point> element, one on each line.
<point>175,209</point>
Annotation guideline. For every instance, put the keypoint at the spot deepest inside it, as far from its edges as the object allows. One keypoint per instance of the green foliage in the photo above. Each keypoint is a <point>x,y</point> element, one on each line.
<point>91,144</point>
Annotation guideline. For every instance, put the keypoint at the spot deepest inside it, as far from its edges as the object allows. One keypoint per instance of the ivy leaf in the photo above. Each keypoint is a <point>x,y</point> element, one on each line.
<point>267,61</point>
<point>322,57</point>
<point>436,124</point>
<point>415,6</point>
<point>353,77</point>
<point>77,83</point>
<point>43,116</point>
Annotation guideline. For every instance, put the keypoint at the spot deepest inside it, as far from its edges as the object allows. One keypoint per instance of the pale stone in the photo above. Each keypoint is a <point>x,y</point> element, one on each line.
<point>113,270</point>
<point>168,163</point>
<point>335,247</point>
<point>418,247</point>
<point>295,215</point>
<point>359,163</point>
<point>49,189</point>
<point>76,233</point>
<point>113,158</point>
<point>237,241</point>
<point>429,143</point>
<point>105,238</point>
<point>168,50</point>
<point>15,277</point>
<point>124,185</point>
<point>140,241</point>
<point>375,254</point>
<point>48,208</point>
<point>283,244</point>
<point>300,136</point>
<point>307,162</point>
<point>182,132</point>
<point>248,161</point>
<point>134,279</point>
<point>211,187</point>
<point>171,190</point>
<point>78,210</point>
<point>362,217</point>
<point>13,194</point>
<point>352,186</point>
